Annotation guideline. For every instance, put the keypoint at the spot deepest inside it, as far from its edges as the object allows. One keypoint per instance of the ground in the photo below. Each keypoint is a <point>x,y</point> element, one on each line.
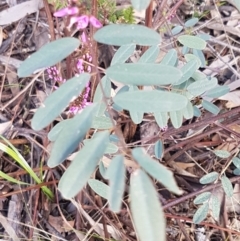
<point>190,151</point>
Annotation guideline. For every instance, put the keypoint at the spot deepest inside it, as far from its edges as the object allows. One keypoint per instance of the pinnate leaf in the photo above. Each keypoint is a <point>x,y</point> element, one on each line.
<point>216,206</point>
<point>201,214</point>
<point>70,136</point>
<point>116,176</point>
<point>140,4</point>
<point>150,101</point>
<point>99,187</point>
<point>111,148</point>
<point>176,118</point>
<point>201,198</point>
<point>83,165</point>
<point>236,172</point>
<point>102,170</point>
<point>161,118</point>
<point>185,50</point>
<point>147,212</point>
<point>136,117</point>
<point>191,22</point>
<point>209,106</point>
<point>102,122</point>
<point>150,55</point>
<point>200,55</point>
<point>188,111</point>
<point>199,87</point>
<point>236,162</point>
<point>190,57</point>
<point>156,170</point>
<point>192,42</point>
<point>58,101</point>
<point>209,178</point>
<point>188,70</point>
<point>227,186</point>
<point>123,53</point>
<point>158,149</point>
<point>218,91</point>
<point>170,58</point>
<point>49,55</point>
<point>176,30</point>
<point>222,153</point>
<point>196,111</point>
<point>106,87</point>
<point>55,131</point>
<point>122,34</point>
<point>144,74</point>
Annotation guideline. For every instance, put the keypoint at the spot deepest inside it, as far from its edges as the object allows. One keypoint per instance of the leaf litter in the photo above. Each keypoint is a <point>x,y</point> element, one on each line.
<point>29,214</point>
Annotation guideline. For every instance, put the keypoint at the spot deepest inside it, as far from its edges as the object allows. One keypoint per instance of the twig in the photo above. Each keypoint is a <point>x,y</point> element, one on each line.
<point>198,137</point>
<point>170,13</point>
<point>188,220</point>
<point>50,20</point>
<point>216,41</point>
<point>22,91</point>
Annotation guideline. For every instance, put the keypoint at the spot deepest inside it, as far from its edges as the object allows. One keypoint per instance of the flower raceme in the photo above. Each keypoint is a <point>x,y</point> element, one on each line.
<point>82,21</point>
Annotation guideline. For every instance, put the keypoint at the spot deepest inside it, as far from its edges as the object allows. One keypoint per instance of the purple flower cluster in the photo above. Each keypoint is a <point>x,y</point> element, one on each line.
<point>83,67</point>
<point>81,102</point>
<point>54,74</point>
<point>81,21</point>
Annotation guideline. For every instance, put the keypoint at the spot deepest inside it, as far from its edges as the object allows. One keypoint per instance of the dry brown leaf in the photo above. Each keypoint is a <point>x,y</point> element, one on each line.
<point>11,232</point>
<point>216,138</point>
<point>40,36</point>
<point>232,204</point>
<point>59,224</point>
<point>234,223</point>
<point>233,99</point>
<point>181,171</point>
<point>227,146</point>
<point>220,27</point>
<point>13,82</point>
<point>10,61</point>
<point>218,64</point>
<point>19,11</point>
<point>4,126</point>
<point>129,163</point>
<point>235,128</point>
<point>219,193</point>
<point>14,212</point>
<point>41,95</point>
<point>184,166</point>
<point>234,21</point>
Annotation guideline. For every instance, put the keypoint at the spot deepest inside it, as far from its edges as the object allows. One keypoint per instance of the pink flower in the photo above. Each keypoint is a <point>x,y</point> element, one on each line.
<point>95,22</point>
<point>66,11</point>
<point>83,21</point>
<point>74,110</point>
